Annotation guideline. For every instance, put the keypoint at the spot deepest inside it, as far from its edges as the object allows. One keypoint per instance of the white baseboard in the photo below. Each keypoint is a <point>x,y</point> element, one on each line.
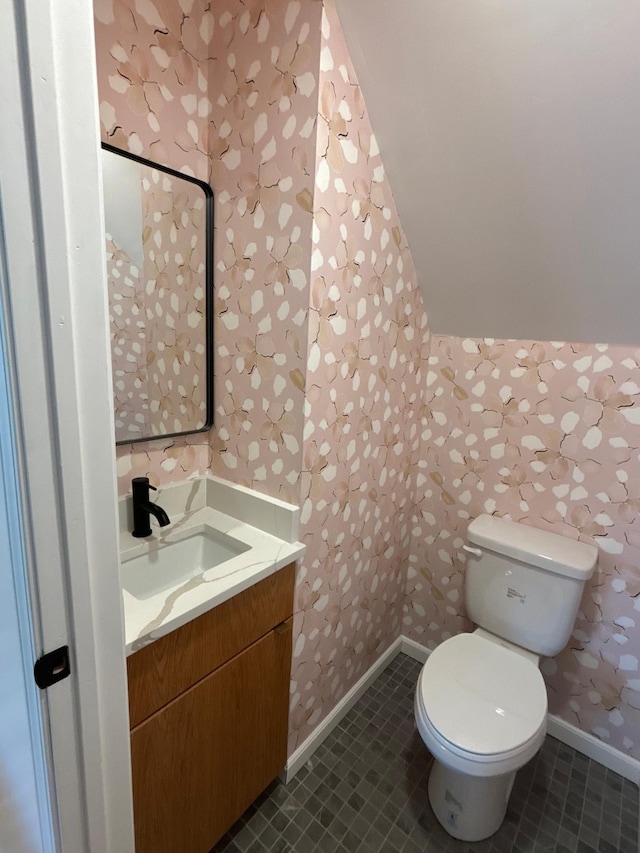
<point>414,650</point>
<point>594,748</point>
<point>587,744</point>
<point>306,749</point>
<point>582,741</point>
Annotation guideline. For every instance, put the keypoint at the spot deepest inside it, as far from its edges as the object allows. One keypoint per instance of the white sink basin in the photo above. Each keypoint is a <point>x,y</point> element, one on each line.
<point>174,562</point>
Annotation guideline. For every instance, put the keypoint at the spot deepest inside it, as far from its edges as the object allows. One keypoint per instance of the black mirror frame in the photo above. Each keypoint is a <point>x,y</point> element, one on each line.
<point>209,296</point>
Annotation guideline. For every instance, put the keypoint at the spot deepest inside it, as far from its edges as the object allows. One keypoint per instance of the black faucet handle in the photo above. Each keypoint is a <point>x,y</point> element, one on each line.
<point>142,483</point>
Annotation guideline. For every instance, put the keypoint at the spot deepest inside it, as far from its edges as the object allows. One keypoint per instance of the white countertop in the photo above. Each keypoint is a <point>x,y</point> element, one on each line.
<point>148,619</point>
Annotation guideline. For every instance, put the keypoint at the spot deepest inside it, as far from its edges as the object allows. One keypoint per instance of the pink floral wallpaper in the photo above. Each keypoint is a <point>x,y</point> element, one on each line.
<point>153,92</point>
<point>366,371</point>
<point>174,246</point>
<point>152,79</point>
<point>158,319</point>
<point>330,392</point>
<point>264,71</point>
<point>128,343</point>
<point>548,434</point>
<point>228,92</point>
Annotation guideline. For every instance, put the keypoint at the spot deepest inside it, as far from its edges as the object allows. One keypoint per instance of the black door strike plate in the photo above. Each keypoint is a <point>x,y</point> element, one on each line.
<point>52,667</point>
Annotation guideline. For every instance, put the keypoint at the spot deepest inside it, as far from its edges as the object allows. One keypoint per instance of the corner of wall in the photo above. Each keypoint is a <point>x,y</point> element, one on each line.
<point>365,389</point>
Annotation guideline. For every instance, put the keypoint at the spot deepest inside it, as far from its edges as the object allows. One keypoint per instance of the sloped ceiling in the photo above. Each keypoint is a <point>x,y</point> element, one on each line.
<point>510,133</point>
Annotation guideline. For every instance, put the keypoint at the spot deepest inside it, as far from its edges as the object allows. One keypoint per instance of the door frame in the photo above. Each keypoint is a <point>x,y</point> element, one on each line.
<point>58,322</point>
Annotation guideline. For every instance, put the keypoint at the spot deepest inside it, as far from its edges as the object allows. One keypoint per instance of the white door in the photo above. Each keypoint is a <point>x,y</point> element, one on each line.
<point>26,822</point>
<point>64,756</point>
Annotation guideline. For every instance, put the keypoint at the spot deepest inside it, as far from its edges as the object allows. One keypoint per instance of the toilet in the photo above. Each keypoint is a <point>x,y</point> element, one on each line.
<point>481,702</point>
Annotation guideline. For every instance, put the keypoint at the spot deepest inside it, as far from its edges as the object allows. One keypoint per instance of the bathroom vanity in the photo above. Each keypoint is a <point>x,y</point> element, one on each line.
<point>208,706</point>
<point>209,674</point>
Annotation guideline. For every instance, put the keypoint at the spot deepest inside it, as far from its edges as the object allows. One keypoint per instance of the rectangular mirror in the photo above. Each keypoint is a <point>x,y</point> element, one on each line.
<point>159,238</point>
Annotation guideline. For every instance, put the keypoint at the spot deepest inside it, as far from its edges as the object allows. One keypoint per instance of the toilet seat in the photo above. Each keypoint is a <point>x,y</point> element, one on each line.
<point>480,707</point>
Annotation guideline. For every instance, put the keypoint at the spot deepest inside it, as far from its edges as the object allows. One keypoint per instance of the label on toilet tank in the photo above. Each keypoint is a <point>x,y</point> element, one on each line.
<point>513,593</point>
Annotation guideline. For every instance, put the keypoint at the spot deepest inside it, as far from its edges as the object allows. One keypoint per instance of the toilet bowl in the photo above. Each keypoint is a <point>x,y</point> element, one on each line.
<point>481,702</point>
<point>481,710</point>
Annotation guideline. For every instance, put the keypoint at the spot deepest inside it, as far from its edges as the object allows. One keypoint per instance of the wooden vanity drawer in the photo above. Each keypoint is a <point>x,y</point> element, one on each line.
<point>204,758</point>
<point>169,666</point>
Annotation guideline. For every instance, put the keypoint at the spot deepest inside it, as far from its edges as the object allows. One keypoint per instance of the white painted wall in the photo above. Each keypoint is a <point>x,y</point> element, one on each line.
<point>509,131</point>
<point>122,193</point>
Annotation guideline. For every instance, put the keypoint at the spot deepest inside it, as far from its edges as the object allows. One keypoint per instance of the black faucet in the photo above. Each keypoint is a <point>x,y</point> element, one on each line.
<point>143,508</point>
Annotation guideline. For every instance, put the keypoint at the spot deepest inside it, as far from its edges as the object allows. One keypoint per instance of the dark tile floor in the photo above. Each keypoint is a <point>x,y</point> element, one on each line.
<point>365,791</point>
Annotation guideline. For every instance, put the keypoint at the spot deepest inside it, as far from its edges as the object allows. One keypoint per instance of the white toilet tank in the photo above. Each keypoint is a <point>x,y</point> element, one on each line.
<point>524,584</point>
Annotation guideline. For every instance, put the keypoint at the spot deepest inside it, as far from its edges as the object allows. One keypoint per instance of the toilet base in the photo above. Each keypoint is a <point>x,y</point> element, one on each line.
<point>468,807</point>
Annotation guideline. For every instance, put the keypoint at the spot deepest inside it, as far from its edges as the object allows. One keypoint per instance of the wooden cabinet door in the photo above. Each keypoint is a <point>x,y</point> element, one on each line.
<point>199,762</point>
<point>167,667</point>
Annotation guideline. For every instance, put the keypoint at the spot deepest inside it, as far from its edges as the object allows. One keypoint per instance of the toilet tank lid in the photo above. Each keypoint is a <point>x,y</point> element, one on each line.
<point>550,551</point>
